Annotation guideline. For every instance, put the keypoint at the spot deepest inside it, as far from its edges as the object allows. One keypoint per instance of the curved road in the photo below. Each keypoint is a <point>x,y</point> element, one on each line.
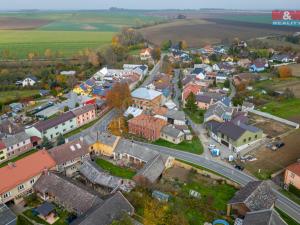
<point>283,203</point>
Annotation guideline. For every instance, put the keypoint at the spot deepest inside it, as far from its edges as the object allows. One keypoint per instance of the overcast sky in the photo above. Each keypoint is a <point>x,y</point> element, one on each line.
<point>149,4</point>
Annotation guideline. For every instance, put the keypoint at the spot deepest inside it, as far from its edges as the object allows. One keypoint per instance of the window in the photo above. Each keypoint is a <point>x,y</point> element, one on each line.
<point>21,187</point>
<point>6,195</point>
<point>32,181</point>
<point>245,140</point>
<point>249,139</point>
<point>292,175</point>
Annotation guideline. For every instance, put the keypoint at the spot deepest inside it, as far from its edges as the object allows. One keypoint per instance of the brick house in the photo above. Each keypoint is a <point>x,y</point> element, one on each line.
<point>292,175</point>
<point>85,114</point>
<point>146,126</point>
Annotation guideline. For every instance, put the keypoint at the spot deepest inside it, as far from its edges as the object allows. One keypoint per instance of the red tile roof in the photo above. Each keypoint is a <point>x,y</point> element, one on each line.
<point>24,169</point>
<point>191,88</point>
<point>294,168</point>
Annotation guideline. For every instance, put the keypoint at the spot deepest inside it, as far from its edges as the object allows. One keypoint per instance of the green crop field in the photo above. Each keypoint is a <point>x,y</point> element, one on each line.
<point>66,32</point>
<point>68,43</point>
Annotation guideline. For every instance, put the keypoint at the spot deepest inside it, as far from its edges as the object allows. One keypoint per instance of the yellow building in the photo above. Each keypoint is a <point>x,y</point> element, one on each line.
<point>3,152</point>
<point>82,90</point>
<point>102,143</point>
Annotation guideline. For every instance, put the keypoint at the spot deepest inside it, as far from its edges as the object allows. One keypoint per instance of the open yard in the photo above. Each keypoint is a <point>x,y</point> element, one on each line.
<point>269,162</point>
<point>182,208</point>
<point>115,170</point>
<point>295,69</point>
<point>270,127</point>
<point>193,146</point>
<point>15,95</point>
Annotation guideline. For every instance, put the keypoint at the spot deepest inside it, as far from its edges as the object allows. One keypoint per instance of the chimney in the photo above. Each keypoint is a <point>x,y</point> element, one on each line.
<point>11,164</point>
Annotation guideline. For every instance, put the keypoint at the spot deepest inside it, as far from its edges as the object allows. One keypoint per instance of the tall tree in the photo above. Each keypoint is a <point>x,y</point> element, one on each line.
<point>46,143</point>
<point>119,96</point>
<point>156,53</point>
<point>191,102</point>
<point>60,140</point>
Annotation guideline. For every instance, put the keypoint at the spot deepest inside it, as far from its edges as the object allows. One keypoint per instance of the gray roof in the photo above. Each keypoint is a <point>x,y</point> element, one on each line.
<point>153,169</point>
<point>203,98</point>
<point>136,150</point>
<point>218,109</point>
<point>112,209</point>
<point>263,217</point>
<point>103,137</point>
<point>213,126</point>
<point>172,131</point>
<point>7,217</point>
<point>67,192</point>
<point>145,93</point>
<point>47,124</point>
<point>231,130</point>
<point>256,195</point>
<point>84,109</point>
<point>69,151</point>
<point>176,115</point>
<point>97,176</point>
<point>15,139</point>
<point>8,127</point>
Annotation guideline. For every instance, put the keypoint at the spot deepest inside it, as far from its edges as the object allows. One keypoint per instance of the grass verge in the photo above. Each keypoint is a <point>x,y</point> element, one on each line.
<point>291,196</point>
<point>23,221</point>
<point>82,128</point>
<point>196,116</point>
<point>115,170</point>
<point>19,157</point>
<point>193,146</point>
<point>286,218</point>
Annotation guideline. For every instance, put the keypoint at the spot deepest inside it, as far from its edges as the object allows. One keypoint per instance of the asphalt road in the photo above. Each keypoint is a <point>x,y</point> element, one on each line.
<point>152,73</point>
<point>283,203</point>
<point>101,125</point>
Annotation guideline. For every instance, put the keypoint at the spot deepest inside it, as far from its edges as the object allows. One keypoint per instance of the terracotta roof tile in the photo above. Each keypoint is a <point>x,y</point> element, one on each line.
<point>24,169</point>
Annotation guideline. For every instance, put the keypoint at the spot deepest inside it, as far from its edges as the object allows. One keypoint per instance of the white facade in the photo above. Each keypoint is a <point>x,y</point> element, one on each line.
<point>28,82</point>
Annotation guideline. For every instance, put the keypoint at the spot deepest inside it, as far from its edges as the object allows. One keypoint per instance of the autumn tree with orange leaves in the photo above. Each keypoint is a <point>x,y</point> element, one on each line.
<point>119,96</point>
<point>284,72</point>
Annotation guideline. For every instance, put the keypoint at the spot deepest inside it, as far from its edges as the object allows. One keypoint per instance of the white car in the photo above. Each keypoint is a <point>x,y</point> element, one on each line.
<point>211,146</point>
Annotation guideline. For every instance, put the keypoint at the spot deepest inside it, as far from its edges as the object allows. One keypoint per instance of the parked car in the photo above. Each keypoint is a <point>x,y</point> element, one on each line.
<point>279,144</point>
<point>211,146</point>
<point>238,167</point>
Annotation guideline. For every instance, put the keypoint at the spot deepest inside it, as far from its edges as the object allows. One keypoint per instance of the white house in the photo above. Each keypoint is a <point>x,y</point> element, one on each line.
<point>146,54</point>
<point>29,81</point>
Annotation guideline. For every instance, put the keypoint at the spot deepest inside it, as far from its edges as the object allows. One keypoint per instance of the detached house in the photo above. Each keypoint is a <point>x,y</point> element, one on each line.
<point>259,65</point>
<point>145,54</point>
<point>52,128</point>
<point>29,81</point>
<point>219,112</point>
<point>70,156</point>
<point>236,137</point>
<point>20,176</point>
<point>292,175</point>
<point>145,98</point>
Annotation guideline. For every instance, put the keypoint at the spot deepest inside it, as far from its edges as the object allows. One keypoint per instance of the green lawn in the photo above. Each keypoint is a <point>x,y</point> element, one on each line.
<point>82,128</point>
<point>283,108</point>
<point>291,196</point>
<point>19,157</point>
<point>115,170</point>
<point>21,220</point>
<point>63,215</point>
<point>21,42</point>
<point>15,95</point>
<point>194,146</point>
<point>196,116</point>
<point>286,218</point>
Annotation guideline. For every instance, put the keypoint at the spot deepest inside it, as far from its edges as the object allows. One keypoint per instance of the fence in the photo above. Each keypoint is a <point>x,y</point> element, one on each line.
<point>278,119</point>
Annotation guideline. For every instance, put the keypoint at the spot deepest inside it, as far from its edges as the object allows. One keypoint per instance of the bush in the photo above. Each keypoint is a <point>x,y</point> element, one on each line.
<point>23,221</point>
<point>294,190</point>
